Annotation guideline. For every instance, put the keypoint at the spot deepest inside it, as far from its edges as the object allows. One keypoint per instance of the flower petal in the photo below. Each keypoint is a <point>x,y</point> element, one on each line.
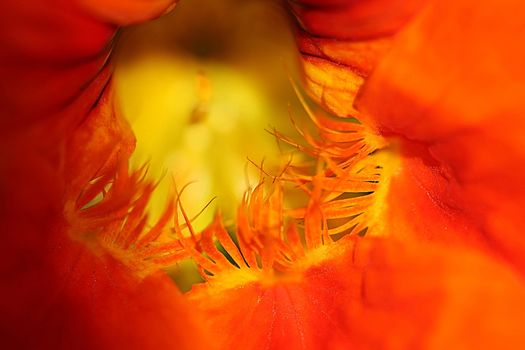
<point>74,298</point>
<point>60,130</point>
<point>126,12</point>
<point>453,87</point>
<point>373,293</point>
<point>341,41</point>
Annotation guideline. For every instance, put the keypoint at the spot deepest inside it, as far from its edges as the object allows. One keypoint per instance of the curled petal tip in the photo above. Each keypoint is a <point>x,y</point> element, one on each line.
<point>127,12</point>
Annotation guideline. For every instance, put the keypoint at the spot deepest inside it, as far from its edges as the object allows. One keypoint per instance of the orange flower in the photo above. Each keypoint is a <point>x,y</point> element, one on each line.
<point>410,237</point>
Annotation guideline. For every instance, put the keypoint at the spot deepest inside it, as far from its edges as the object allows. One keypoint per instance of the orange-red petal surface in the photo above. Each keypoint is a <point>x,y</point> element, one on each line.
<point>341,41</point>
<point>125,12</point>
<point>448,94</point>
<point>67,297</point>
<point>453,86</point>
<point>59,130</point>
<point>373,294</point>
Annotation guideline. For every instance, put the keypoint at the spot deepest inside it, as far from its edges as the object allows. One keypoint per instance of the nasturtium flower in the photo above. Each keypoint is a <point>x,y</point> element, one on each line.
<point>410,236</point>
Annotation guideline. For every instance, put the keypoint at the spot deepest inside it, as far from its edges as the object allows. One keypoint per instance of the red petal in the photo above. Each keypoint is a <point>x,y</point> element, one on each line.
<point>67,297</point>
<point>125,12</point>
<point>59,130</point>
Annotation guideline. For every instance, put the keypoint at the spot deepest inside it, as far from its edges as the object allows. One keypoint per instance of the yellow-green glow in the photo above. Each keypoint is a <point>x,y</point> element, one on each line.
<point>199,87</point>
<point>197,122</point>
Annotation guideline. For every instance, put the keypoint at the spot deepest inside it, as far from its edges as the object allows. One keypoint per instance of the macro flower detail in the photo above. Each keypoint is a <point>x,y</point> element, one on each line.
<point>395,222</point>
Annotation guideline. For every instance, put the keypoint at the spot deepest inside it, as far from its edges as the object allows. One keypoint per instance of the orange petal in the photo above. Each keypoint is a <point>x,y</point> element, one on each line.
<point>428,297</point>
<point>372,294</point>
<point>341,41</point>
<point>452,87</point>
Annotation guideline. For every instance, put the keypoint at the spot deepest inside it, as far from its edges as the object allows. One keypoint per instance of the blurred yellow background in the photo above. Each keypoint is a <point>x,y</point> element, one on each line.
<point>199,87</point>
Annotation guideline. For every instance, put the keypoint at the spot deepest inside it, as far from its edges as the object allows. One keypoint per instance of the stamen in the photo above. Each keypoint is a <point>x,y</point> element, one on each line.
<point>118,222</point>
